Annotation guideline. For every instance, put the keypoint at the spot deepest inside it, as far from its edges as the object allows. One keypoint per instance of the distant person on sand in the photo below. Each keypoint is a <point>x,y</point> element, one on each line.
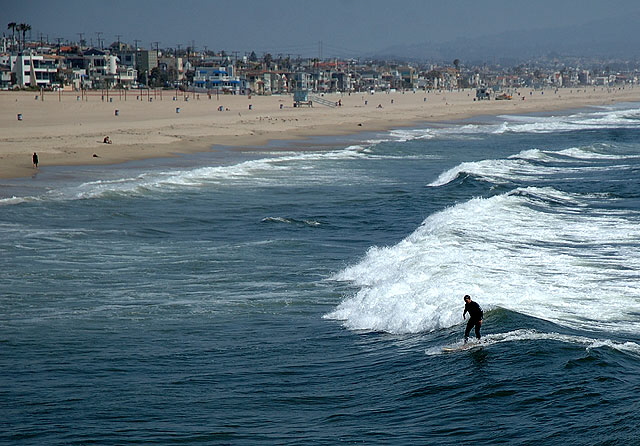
<point>475,317</point>
<point>35,160</point>
<point>106,140</point>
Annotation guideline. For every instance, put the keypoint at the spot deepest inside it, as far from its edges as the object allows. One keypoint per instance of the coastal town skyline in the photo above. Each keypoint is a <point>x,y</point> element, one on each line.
<point>340,28</point>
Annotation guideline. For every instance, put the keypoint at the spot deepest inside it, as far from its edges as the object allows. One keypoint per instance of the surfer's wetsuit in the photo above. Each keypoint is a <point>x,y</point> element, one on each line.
<point>475,317</point>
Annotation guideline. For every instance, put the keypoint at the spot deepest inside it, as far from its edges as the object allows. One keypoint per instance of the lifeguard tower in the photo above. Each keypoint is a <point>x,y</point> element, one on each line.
<point>301,97</point>
<point>483,93</point>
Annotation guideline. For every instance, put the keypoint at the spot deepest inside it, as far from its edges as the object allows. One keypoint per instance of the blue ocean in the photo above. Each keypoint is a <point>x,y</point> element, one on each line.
<point>303,293</point>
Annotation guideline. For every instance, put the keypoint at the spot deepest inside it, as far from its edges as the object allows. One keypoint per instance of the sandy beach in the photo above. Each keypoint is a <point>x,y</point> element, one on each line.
<point>69,128</point>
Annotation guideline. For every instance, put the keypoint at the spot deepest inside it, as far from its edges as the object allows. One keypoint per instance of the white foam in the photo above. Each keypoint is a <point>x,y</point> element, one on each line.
<point>411,134</point>
<point>531,165</point>
<point>14,200</point>
<point>495,171</point>
<point>578,121</point>
<point>260,171</point>
<point>291,221</point>
<point>591,120</point>
<point>533,335</point>
<point>512,251</point>
<point>583,153</point>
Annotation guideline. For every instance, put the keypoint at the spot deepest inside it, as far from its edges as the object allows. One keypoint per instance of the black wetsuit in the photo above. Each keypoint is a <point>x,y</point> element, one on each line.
<point>475,317</point>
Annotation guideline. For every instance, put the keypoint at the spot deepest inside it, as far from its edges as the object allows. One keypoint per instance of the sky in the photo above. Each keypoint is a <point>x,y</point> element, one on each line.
<point>309,28</point>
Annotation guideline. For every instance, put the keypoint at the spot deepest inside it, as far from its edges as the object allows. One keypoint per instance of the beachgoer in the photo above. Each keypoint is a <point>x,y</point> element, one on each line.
<point>35,160</point>
<point>475,317</point>
<point>106,140</point>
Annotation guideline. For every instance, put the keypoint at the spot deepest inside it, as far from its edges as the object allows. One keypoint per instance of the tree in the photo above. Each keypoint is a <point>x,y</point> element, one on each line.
<point>23,27</point>
<point>433,74</point>
<point>12,26</point>
<point>158,77</point>
<point>456,63</point>
<point>253,57</point>
<point>267,59</point>
<point>172,74</point>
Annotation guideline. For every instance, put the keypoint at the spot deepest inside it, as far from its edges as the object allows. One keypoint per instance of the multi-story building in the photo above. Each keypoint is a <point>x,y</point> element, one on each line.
<point>584,77</point>
<point>33,70</point>
<point>175,67</point>
<point>218,79</point>
<point>146,60</point>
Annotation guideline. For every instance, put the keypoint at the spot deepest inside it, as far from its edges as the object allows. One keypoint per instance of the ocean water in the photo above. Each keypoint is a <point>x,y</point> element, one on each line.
<point>302,293</point>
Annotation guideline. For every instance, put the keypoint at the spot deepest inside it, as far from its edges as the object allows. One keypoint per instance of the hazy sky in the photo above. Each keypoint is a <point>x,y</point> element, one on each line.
<point>345,27</point>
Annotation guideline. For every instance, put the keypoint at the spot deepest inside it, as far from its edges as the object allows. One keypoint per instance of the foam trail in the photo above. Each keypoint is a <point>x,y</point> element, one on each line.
<point>533,335</point>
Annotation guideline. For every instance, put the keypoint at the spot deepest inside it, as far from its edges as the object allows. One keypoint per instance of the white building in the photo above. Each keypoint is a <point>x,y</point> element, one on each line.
<point>34,70</point>
<point>104,70</point>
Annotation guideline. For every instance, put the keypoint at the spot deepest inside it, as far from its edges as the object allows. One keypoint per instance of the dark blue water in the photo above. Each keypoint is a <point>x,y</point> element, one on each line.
<point>306,296</point>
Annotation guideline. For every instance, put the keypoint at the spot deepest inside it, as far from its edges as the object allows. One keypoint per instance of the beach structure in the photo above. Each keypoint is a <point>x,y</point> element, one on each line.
<point>483,93</point>
<point>301,97</point>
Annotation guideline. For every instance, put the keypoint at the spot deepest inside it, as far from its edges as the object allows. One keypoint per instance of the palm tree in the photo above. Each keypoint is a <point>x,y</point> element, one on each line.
<point>12,26</point>
<point>19,29</point>
<point>23,27</point>
<point>267,59</point>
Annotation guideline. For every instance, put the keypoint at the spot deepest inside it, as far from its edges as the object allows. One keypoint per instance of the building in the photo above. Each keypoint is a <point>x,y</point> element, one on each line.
<point>174,67</point>
<point>409,77</point>
<point>301,81</point>
<point>146,60</point>
<point>5,77</point>
<point>128,58</point>
<point>32,70</point>
<point>584,77</point>
<point>217,79</point>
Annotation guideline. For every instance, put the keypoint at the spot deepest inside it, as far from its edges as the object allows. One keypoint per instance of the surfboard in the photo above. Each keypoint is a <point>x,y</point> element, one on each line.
<point>461,347</point>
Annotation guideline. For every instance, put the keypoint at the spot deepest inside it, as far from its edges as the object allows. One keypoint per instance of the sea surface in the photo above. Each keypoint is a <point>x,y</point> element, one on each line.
<point>302,293</point>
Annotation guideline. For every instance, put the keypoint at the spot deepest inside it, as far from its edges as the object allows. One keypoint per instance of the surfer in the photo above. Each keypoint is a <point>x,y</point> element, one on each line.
<point>475,317</point>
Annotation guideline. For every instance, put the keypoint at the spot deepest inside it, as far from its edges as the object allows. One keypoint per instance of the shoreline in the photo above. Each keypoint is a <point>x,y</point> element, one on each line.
<point>67,131</point>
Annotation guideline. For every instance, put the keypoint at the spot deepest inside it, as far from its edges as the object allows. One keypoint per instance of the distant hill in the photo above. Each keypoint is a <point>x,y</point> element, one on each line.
<point>617,38</point>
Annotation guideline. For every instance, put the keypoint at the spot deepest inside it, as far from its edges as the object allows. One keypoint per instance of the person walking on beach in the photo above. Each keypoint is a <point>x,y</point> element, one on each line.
<point>475,317</point>
<point>35,160</point>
